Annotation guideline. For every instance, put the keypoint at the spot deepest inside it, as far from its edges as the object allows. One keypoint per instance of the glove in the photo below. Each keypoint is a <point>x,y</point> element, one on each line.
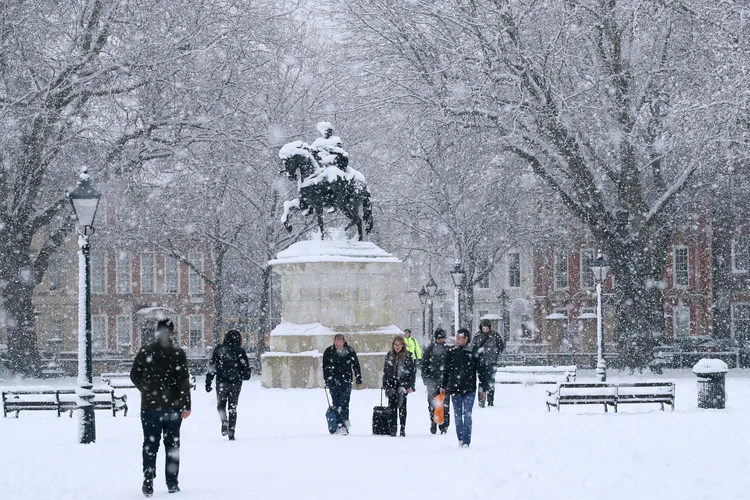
<point>208,387</point>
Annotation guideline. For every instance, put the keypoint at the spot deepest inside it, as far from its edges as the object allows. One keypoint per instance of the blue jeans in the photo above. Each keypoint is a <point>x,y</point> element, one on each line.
<point>341,393</point>
<point>155,423</point>
<point>462,407</point>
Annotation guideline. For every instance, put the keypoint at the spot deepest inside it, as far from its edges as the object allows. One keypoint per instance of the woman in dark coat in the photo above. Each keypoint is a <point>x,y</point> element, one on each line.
<point>399,376</point>
<point>230,365</point>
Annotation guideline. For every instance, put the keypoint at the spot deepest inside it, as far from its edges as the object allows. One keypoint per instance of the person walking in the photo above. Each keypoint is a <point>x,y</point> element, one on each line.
<point>489,345</point>
<point>462,368</point>
<point>160,373</point>
<point>339,362</point>
<point>399,376</point>
<point>412,345</point>
<point>230,366</point>
<point>433,368</point>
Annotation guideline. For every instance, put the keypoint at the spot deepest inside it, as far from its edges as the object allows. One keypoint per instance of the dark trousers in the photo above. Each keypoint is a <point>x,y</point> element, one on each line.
<point>463,405</point>
<point>490,370</point>
<point>341,394</point>
<point>432,391</point>
<point>228,394</point>
<point>397,401</point>
<point>156,423</point>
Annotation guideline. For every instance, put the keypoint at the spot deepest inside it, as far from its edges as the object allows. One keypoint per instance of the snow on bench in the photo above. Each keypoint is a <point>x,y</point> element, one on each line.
<point>611,394</point>
<point>530,375</point>
<point>59,400</point>
<point>122,380</point>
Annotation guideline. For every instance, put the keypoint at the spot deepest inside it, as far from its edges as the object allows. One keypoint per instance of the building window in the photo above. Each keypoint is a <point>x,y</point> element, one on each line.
<point>741,321</point>
<point>484,281</point>
<point>681,321</point>
<point>195,285</point>
<point>171,275</point>
<point>527,329</point>
<point>99,273</point>
<point>514,270</point>
<point>124,331</point>
<point>99,333</point>
<point>196,332</point>
<point>55,278</point>
<point>148,277</point>
<point>123,272</point>
<point>587,275</point>
<point>740,258</point>
<point>177,330</point>
<point>561,270</point>
<point>681,266</point>
<point>56,330</point>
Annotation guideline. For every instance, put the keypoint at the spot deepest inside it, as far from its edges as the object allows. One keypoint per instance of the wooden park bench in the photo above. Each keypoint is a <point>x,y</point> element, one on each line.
<point>612,394</point>
<point>121,380</point>
<point>60,400</point>
<point>535,374</point>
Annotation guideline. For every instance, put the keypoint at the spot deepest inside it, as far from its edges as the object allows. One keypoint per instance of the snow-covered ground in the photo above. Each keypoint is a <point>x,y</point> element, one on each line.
<point>283,450</point>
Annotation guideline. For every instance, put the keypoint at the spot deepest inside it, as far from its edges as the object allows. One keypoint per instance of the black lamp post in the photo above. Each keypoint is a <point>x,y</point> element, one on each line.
<point>85,201</point>
<point>600,268</point>
<point>431,288</point>
<point>503,297</point>
<point>457,275</point>
<point>423,299</point>
<point>440,296</point>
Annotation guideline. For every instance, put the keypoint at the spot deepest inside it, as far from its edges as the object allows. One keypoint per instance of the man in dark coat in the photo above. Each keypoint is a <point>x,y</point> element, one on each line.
<point>489,345</point>
<point>339,362</point>
<point>462,368</point>
<point>230,365</point>
<point>160,372</point>
<point>433,370</point>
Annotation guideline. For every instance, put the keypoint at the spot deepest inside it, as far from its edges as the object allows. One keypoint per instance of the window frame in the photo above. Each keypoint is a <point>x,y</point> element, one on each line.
<point>678,311</point>
<point>735,269</point>
<point>515,271</point>
<point>202,318</point>
<point>558,255</point>
<point>118,270</point>
<point>585,269</point>
<point>733,311</point>
<point>177,263</point>
<point>675,271</point>
<point>95,274</point>
<point>144,272</point>
<point>105,338</point>
<point>54,273</point>
<point>193,275</point>
<point>118,319</point>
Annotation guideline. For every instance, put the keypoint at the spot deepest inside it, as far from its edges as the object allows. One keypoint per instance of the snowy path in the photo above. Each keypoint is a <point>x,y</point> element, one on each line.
<point>283,450</point>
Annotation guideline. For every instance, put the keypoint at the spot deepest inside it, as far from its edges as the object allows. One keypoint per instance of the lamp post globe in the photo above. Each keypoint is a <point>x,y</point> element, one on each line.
<point>457,275</point>
<point>85,201</point>
<point>600,269</point>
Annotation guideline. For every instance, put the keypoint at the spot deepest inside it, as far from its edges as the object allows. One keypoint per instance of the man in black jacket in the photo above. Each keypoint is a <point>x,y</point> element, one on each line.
<point>160,373</point>
<point>230,365</point>
<point>339,361</point>
<point>489,345</point>
<point>460,381</point>
<point>434,360</point>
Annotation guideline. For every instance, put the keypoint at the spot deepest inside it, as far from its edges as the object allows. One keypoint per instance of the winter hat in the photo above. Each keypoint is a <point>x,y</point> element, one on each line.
<point>485,322</point>
<point>165,323</point>
<point>233,337</point>
<point>439,333</point>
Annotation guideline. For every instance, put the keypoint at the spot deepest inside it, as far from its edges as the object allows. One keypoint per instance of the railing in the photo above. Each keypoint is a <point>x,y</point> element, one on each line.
<point>579,359</point>
<point>667,359</point>
<point>686,359</point>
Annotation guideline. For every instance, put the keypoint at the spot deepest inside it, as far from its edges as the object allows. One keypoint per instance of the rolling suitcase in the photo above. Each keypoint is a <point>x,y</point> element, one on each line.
<point>332,416</point>
<point>383,418</point>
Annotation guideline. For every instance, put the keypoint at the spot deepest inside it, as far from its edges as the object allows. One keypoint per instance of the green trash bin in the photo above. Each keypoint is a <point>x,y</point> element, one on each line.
<point>711,383</point>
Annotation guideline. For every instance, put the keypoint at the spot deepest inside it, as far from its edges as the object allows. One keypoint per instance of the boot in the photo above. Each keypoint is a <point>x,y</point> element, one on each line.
<point>433,428</point>
<point>148,487</point>
<point>403,431</point>
<point>224,428</point>
<point>173,489</point>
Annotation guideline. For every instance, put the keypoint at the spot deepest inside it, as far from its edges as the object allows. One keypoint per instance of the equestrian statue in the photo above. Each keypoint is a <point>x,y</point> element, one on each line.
<point>325,182</point>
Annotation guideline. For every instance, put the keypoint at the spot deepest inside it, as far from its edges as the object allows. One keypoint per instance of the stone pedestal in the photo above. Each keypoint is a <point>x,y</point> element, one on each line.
<point>330,287</point>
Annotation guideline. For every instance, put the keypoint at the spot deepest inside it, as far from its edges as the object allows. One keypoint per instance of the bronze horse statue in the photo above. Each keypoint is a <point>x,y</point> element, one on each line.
<point>325,181</point>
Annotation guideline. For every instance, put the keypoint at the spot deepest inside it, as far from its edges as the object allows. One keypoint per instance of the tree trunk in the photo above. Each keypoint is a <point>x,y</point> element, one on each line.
<point>218,289</point>
<point>638,269</point>
<point>264,317</point>
<point>23,352</point>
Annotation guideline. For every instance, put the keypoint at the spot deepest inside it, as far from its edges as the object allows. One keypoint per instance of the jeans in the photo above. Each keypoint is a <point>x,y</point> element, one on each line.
<point>341,393</point>
<point>228,394</point>
<point>155,423</point>
<point>462,407</point>
<point>397,401</point>
<point>432,391</point>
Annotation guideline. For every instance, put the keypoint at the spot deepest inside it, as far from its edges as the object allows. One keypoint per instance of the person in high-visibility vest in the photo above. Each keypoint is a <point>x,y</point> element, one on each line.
<point>412,345</point>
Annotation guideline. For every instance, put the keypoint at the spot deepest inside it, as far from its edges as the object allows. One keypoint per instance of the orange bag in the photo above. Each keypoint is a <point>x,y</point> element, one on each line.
<point>439,414</point>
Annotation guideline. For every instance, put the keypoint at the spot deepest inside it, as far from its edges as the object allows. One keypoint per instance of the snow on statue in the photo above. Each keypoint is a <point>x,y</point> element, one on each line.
<point>325,181</point>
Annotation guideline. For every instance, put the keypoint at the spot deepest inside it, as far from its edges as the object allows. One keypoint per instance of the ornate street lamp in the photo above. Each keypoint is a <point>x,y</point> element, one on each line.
<point>440,296</point>
<point>431,288</point>
<point>423,299</point>
<point>600,268</point>
<point>85,201</point>
<point>457,275</point>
